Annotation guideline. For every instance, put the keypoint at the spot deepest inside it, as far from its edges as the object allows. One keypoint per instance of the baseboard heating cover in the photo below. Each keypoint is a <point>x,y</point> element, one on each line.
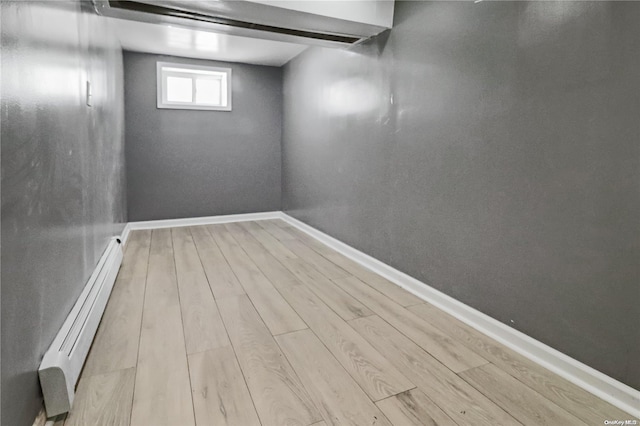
<point>62,363</point>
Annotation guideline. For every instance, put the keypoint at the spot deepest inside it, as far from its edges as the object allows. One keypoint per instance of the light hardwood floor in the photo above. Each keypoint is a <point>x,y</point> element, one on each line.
<point>257,323</point>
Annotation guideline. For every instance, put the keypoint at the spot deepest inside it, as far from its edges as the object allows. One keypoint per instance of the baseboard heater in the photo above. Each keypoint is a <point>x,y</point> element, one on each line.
<point>62,363</point>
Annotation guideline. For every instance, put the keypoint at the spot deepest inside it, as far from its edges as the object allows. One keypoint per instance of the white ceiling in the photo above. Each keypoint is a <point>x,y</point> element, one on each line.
<point>190,43</point>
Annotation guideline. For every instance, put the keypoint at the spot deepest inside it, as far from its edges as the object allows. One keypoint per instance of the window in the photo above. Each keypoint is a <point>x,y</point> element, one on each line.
<point>193,87</point>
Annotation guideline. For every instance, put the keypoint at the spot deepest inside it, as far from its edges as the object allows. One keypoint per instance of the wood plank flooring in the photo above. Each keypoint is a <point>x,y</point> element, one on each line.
<point>257,323</point>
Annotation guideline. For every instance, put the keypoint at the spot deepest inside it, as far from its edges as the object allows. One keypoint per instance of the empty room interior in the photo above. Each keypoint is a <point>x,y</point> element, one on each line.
<point>320,212</point>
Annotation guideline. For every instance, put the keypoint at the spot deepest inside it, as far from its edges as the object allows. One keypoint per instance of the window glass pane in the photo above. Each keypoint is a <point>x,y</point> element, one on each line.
<point>179,89</point>
<point>208,91</point>
<point>183,87</point>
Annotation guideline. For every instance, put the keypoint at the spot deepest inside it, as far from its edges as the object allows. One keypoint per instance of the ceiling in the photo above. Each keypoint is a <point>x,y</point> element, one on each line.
<point>191,43</point>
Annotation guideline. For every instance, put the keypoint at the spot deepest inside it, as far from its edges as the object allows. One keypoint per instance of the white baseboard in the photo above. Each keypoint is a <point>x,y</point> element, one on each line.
<point>125,235</point>
<point>197,221</point>
<point>616,393</point>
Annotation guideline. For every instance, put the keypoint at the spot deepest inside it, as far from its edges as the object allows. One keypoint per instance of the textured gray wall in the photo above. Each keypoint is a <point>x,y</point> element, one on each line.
<point>491,150</point>
<point>187,163</point>
<point>63,192</point>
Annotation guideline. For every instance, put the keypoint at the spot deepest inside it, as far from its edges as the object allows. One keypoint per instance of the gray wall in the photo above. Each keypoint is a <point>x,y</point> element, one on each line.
<point>63,193</point>
<point>491,150</point>
<point>188,163</point>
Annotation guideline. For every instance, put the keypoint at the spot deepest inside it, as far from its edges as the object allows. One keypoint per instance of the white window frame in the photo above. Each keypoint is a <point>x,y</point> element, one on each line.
<point>161,85</point>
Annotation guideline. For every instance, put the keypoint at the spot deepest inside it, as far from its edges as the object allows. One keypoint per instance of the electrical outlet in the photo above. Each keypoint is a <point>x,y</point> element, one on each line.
<point>89,93</point>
